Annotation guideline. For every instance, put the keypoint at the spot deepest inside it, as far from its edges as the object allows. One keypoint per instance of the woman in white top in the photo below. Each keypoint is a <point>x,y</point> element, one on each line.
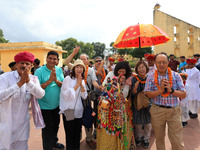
<point>73,88</point>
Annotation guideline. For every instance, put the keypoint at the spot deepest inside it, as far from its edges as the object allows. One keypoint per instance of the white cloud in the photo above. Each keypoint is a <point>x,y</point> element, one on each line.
<point>87,21</point>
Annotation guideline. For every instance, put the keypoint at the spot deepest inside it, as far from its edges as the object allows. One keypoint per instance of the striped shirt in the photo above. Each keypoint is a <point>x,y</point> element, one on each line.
<point>171,100</point>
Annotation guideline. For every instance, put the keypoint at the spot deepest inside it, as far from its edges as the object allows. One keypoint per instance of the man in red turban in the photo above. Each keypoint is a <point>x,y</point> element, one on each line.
<point>17,89</point>
<point>193,91</point>
<point>151,63</point>
<point>111,66</point>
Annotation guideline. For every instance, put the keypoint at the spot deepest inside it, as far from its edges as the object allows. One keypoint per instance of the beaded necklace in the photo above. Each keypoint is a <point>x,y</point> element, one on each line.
<point>170,81</point>
<point>86,72</point>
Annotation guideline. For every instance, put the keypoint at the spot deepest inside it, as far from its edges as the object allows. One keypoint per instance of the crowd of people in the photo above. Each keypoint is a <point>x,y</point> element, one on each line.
<point>172,88</point>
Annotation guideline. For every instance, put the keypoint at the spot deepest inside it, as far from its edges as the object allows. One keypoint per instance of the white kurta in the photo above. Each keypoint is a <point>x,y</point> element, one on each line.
<point>68,97</point>
<point>14,107</point>
<point>193,82</point>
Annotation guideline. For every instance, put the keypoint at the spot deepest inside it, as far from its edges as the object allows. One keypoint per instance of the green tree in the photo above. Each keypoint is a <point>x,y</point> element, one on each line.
<point>99,49</point>
<point>2,39</point>
<point>139,52</point>
<point>122,52</point>
<point>67,45</point>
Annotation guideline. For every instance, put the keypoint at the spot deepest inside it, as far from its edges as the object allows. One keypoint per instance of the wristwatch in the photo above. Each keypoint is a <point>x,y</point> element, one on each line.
<point>172,91</point>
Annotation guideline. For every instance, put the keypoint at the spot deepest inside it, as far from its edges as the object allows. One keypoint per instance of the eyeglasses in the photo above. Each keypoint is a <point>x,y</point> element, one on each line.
<point>159,63</point>
<point>98,61</point>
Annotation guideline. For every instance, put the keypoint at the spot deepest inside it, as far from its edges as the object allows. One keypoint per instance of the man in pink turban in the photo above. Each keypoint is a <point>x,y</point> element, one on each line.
<point>17,89</point>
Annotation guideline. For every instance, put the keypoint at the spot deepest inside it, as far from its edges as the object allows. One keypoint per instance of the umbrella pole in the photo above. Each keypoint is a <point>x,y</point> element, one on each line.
<point>140,50</point>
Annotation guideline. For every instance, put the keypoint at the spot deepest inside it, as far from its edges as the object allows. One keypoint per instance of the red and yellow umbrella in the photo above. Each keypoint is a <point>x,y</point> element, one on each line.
<point>141,35</point>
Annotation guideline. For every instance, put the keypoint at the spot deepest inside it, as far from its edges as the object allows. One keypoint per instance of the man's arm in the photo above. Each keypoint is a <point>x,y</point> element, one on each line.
<point>178,93</point>
<point>152,94</point>
<point>100,69</point>
<point>95,84</point>
<point>71,56</point>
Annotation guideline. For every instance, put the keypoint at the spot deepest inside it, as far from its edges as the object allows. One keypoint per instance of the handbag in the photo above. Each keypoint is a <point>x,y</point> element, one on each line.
<point>141,101</point>
<point>69,113</point>
<point>88,114</point>
<point>91,94</point>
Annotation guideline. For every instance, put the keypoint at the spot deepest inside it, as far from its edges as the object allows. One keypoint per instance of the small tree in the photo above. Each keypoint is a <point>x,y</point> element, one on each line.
<point>2,39</point>
<point>139,52</point>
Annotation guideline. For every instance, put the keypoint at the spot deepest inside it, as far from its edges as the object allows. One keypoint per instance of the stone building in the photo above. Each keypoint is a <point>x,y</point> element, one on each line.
<point>185,38</point>
<point>38,49</point>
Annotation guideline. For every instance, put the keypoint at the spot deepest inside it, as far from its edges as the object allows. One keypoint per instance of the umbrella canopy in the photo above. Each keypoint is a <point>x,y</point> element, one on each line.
<point>141,35</point>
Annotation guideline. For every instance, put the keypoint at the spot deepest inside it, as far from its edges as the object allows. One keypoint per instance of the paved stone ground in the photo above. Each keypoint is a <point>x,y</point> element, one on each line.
<point>191,137</point>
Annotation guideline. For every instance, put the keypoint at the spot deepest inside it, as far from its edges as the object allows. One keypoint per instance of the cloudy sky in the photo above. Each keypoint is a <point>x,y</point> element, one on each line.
<point>85,20</point>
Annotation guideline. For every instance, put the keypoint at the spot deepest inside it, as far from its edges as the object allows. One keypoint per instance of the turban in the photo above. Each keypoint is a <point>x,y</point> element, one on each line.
<point>147,54</point>
<point>191,61</point>
<point>121,59</point>
<point>24,56</point>
<point>184,75</point>
<point>111,58</point>
<point>151,57</point>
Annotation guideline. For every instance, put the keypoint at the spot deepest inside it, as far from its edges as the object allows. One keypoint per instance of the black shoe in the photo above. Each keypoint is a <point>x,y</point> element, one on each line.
<point>193,116</point>
<point>59,146</point>
<point>138,141</point>
<point>184,124</point>
<point>145,144</point>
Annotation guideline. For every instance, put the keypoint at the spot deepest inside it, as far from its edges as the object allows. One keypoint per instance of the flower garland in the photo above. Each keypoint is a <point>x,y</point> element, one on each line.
<point>143,82</point>
<point>170,81</point>
<point>86,72</point>
<point>103,75</point>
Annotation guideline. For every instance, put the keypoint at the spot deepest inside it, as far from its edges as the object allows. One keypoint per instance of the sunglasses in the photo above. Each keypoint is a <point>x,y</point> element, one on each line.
<point>98,61</point>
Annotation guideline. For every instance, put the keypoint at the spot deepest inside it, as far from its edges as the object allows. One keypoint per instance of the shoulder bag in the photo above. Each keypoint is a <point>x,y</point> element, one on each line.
<point>141,101</point>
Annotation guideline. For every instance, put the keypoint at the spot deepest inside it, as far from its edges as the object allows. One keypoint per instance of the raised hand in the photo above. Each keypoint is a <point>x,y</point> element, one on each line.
<point>76,49</point>
<point>122,79</point>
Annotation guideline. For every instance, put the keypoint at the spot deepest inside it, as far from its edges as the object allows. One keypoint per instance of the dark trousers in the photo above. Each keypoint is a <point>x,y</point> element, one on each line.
<point>72,133</point>
<point>49,133</point>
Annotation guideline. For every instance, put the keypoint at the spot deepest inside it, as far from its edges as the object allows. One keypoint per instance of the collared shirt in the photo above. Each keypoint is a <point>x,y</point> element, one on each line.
<point>181,65</point>
<point>14,110</point>
<point>52,91</point>
<point>177,84</point>
<point>71,99</point>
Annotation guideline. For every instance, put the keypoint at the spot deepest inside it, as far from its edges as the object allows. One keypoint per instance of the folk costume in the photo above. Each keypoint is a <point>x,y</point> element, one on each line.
<point>193,80</point>
<point>115,129</point>
<point>14,106</point>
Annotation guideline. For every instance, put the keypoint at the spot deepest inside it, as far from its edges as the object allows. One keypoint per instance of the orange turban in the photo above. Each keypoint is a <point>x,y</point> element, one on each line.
<point>24,56</point>
<point>111,58</point>
<point>121,59</point>
<point>147,54</point>
<point>151,57</point>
